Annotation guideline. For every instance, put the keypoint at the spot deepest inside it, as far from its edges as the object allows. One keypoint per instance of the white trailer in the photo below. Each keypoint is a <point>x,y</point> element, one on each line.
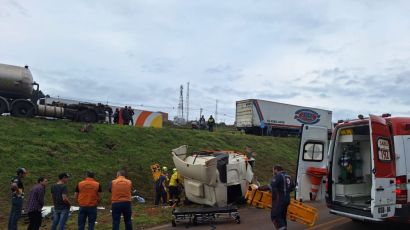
<point>278,119</point>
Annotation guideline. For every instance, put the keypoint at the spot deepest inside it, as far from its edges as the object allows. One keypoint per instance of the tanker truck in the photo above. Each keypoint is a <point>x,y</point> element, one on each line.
<point>21,97</point>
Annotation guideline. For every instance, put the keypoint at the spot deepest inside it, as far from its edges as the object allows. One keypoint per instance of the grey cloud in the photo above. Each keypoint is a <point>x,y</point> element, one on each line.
<point>277,96</point>
<point>352,82</point>
<point>320,50</point>
<point>16,6</point>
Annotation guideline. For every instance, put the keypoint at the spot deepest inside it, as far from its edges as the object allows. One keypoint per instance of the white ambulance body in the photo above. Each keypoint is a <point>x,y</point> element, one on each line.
<point>367,165</point>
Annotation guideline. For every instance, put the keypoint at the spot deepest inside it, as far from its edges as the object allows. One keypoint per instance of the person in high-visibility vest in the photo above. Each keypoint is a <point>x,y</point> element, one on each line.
<point>88,196</point>
<point>120,189</point>
<point>161,187</point>
<point>211,123</point>
<point>175,185</point>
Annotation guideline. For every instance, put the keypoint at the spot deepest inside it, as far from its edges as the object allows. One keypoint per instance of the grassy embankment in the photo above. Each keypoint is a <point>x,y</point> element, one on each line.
<point>47,148</point>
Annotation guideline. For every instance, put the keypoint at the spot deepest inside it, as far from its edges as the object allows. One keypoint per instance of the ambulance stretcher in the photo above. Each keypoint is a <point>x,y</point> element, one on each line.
<point>197,215</point>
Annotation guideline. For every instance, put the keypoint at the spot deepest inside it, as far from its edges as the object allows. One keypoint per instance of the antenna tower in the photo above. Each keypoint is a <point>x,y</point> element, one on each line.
<point>181,102</point>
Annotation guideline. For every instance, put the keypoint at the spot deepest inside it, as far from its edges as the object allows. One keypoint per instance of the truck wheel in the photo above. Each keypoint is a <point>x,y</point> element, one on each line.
<point>4,106</point>
<point>23,108</point>
<point>88,116</point>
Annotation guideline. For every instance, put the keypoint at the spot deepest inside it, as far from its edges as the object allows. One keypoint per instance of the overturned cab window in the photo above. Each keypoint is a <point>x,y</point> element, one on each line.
<point>313,152</point>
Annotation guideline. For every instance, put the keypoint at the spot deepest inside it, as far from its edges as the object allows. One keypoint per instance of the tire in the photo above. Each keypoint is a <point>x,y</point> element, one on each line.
<point>23,108</point>
<point>4,106</point>
<point>87,116</point>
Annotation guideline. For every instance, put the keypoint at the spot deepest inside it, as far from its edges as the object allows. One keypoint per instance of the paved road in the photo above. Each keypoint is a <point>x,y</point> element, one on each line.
<point>253,218</point>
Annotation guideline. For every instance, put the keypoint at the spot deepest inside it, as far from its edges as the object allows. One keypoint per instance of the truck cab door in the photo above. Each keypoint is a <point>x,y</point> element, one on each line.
<point>312,156</point>
<point>383,169</point>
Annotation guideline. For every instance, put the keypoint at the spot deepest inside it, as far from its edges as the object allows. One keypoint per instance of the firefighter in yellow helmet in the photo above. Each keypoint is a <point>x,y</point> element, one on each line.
<point>161,187</point>
<point>175,186</point>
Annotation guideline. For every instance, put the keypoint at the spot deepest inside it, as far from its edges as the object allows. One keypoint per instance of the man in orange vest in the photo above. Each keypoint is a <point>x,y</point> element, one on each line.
<point>120,189</point>
<point>88,196</point>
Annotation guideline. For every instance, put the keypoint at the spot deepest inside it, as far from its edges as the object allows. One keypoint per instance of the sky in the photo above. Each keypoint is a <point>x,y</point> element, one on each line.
<point>351,57</point>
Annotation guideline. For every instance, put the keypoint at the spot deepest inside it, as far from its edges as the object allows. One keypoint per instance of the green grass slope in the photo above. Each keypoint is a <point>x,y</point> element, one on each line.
<point>48,147</point>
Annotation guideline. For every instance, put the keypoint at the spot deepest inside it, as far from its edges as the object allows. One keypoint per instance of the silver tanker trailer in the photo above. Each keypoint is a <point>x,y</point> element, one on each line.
<point>21,97</point>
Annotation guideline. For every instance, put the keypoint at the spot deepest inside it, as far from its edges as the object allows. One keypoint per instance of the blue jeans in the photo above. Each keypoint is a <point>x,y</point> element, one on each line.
<point>15,213</point>
<point>83,214</point>
<point>125,209</point>
<point>60,218</point>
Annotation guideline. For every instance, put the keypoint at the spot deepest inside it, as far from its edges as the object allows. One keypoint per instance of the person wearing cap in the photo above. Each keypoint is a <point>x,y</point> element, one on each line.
<point>280,186</point>
<point>88,196</point>
<point>161,187</point>
<point>120,189</point>
<point>35,203</point>
<point>17,197</point>
<point>174,187</point>
<point>61,203</point>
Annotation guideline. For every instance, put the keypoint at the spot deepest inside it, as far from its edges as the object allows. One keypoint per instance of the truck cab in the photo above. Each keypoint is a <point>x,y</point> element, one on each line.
<point>365,172</point>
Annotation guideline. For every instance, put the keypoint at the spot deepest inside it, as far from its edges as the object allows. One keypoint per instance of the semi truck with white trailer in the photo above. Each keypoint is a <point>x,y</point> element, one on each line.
<point>363,171</point>
<point>20,96</point>
<point>278,119</point>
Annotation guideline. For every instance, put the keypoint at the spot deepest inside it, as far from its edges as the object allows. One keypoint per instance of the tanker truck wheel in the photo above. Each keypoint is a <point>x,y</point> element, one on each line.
<point>3,106</point>
<point>23,108</point>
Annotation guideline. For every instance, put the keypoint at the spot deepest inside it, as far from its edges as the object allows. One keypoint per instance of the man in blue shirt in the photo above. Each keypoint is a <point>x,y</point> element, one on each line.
<point>280,186</point>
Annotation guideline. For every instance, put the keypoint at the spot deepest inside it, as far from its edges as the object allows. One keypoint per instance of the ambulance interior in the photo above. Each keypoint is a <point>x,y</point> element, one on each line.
<point>351,169</point>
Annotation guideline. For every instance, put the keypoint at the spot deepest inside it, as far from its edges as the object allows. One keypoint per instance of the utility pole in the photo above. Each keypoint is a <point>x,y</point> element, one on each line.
<point>200,113</point>
<point>181,103</point>
<point>187,102</point>
<point>216,112</point>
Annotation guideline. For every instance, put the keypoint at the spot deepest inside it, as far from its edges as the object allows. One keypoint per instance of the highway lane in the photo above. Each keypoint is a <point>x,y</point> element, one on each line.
<point>254,218</point>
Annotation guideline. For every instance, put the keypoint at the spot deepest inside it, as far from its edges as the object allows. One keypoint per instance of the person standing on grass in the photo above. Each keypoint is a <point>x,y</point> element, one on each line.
<point>211,123</point>
<point>35,204</point>
<point>175,185</point>
<point>131,115</point>
<point>161,187</point>
<point>17,197</point>
<point>88,196</point>
<point>120,189</point>
<point>61,203</point>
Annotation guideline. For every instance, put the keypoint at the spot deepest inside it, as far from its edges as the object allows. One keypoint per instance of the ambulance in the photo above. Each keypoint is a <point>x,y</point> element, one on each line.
<point>362,172</point>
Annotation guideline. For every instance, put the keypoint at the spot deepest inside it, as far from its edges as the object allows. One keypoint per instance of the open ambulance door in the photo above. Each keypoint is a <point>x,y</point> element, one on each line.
<point>383,169</point>
<point>312,156</point>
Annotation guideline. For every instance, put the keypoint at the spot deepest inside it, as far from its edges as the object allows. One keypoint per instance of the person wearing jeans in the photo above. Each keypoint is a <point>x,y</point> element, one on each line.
<point>88,195</point>
<point>125,209</point>
<point>60,218</point>
<point>85,213</point>
<point>61,203</point>
<point>15,213</point>
<point>120,189</point>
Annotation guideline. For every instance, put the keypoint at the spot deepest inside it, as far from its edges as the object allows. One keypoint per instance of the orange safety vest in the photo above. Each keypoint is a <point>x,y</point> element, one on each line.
<point>88,190</point>
<point>121,190</point>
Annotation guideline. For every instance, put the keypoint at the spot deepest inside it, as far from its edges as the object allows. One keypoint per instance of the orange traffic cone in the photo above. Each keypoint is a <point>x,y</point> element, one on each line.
<point>316,175</point>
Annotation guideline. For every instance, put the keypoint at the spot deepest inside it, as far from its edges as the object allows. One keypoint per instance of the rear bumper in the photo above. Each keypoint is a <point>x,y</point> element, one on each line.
<point>353,213</point>
<point>355,216</point>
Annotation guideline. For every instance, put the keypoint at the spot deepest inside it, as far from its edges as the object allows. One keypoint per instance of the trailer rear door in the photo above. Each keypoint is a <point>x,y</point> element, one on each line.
<point>312,155</point>
<point>383,168</point>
